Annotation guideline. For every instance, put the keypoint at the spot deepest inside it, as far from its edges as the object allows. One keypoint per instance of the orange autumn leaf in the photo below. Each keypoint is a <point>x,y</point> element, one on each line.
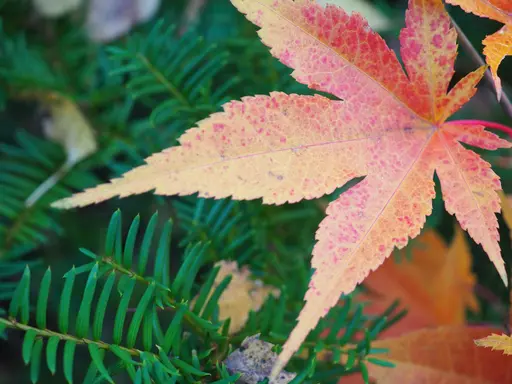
<point>390,127</point>
<point>498,45</point>
<point>441,355</point>
<point>422,284</point>
<point>496,343</point>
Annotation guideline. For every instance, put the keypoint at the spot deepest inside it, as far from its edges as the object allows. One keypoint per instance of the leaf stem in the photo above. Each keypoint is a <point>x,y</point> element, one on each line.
<point>173,305</point>
<point>173,90</point>
<point>11,323</point>
<point>505,102</point>
<point>489,124</point>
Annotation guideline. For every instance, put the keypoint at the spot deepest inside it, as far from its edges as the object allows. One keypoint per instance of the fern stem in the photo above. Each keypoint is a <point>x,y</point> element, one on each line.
<point>13,324</point>
<point>161,78</point>
<point>488,124</point>
<point>505,102</point>
<point>173,305</point>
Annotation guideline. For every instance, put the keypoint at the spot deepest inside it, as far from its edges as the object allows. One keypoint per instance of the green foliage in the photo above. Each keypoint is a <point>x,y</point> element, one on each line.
<point>143,308</point>
<point>170,76</point>
<point>158,332</point>
<point>25,165</point>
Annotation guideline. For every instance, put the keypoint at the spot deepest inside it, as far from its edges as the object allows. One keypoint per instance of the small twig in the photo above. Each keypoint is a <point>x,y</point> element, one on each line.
<point>48,184</point>
<point>475,56</point>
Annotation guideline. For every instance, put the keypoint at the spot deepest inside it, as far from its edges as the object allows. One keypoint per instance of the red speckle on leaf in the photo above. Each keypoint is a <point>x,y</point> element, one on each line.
<point>218,127</point>
<point>437,40</point>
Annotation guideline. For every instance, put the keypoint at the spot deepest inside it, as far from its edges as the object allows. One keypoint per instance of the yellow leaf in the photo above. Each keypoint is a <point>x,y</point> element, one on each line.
<point>497,343</point>
<point>68,127</point>
<point>241,296</point>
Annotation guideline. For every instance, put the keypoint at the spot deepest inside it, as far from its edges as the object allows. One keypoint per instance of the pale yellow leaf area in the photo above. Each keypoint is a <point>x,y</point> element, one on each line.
<point>496,343</point>
<point>68,127</point>
<point>242,295</point>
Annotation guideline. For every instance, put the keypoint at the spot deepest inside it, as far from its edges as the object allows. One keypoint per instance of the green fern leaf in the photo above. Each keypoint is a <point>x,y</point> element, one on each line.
<point>133,330</point>
<point>35,361</point>
<point>122,311</point>
<point>65,301</point>
<point>101,307</point>
<point>51,354</point>
<point>42,301</point>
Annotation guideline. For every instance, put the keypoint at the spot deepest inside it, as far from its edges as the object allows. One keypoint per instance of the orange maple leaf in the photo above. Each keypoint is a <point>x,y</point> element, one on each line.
<point>435,285</point>
<point>390,127</point>
<point>441,355</point>
<point>498,45</point>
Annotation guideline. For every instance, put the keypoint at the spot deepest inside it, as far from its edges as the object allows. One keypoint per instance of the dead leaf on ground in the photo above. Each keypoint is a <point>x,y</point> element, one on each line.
<point>242,295</point>
<point>67,126</point>
<point>254,360</point>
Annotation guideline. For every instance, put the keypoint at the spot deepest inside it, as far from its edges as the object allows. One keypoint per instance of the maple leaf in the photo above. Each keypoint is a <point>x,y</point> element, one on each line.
<point>390,127</point>
<point>441,355</point>
<point>498,45</point>
<point>421,284</point>
<point>497,343</point>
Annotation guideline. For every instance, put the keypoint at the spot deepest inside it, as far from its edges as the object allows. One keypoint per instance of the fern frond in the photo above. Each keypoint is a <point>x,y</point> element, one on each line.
<point>223,223</point>
<point>23,167</point>
<point>157,334</point>
<point>25,68</point>
<point>174,76</point>
<point>39,337</point>
<point>118,258</point>
<point>134,332</point>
